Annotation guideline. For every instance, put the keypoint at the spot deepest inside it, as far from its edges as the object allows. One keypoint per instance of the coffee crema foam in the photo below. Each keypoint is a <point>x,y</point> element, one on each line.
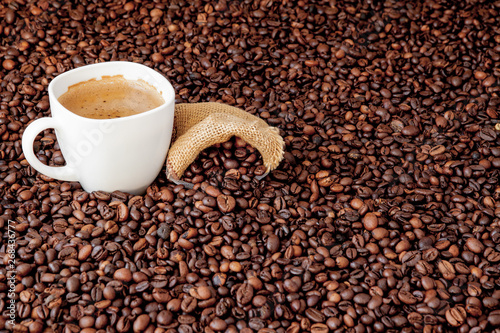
<point>111,97</point>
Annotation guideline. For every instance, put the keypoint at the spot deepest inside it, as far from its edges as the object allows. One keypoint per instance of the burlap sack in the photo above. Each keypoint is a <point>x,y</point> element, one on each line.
<point>198,126</point>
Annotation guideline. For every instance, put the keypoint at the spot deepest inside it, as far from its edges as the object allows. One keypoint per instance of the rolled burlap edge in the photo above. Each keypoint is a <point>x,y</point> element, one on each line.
<point>201,125</point>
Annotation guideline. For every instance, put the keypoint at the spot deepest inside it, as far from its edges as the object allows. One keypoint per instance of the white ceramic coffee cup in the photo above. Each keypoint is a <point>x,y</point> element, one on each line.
<point>123,154</point>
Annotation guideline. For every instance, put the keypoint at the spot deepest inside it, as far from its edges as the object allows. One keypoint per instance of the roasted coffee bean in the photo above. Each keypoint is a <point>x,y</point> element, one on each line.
<point>141,322</point>
<point>319,328</point>
<point>244,293</point>
<point>218,324</point>
<point>226,203</point>
<point>456,316</point>
<point>164,317</point>
<point>446,269</point>
<point>189,304</point>
<point>494,318</point>
<point>201,292</point>
<point>315,315</point>
<point>123,274</point>
<point>370,221</point>
<point>406,297</point>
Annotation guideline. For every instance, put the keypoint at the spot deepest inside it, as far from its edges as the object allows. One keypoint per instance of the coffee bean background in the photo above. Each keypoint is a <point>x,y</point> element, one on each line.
<point>384,215</point>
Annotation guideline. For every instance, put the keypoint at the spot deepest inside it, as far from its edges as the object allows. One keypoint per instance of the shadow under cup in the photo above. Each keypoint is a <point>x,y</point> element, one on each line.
<point>124,154</point>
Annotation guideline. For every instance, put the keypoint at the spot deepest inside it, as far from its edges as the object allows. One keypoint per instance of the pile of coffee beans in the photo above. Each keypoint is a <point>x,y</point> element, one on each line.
<point>384,215</point>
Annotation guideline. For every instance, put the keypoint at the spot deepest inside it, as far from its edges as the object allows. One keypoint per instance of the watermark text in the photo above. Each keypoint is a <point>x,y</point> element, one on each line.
<point>11,272</point>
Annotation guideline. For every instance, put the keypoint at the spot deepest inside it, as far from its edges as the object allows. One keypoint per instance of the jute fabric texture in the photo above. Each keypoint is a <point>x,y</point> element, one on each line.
<point>198,126</point>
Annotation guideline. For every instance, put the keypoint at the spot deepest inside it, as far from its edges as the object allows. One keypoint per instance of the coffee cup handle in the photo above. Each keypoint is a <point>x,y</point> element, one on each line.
<point>65,173</point>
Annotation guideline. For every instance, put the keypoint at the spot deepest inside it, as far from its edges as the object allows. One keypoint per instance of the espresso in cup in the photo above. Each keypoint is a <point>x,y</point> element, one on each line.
<point>117,148</point>
<point>111,97</point>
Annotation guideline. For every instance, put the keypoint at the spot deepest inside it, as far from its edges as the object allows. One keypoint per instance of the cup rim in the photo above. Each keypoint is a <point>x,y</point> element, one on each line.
<point>169,97</point>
